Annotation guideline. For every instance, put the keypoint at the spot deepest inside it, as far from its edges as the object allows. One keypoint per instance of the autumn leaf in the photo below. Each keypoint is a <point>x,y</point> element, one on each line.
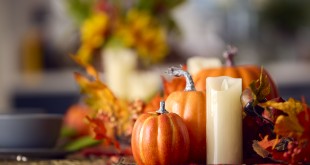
<point>287,125</point>
<point>273,149</point>
<point>260,88</point>
<point>260,147</point>
<point>291,107</point>
<point>102,101</point>
<point>304,120</point>
<point>100,131</point>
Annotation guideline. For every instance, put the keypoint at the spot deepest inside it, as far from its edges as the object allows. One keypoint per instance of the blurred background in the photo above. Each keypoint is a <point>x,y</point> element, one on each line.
<point>37,37</point>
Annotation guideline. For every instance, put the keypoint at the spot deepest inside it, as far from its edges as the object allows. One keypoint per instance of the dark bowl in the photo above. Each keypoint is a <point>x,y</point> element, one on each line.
<point>29,130</point>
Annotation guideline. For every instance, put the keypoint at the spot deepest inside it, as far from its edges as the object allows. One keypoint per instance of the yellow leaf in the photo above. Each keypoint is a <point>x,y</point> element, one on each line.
<point>288,126</point>
<point>291,107</point>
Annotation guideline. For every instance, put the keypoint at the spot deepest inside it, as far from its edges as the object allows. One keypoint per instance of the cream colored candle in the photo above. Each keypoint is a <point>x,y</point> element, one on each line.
<point>119,64</point>
<point>197,63</point>
<point>224,120</point>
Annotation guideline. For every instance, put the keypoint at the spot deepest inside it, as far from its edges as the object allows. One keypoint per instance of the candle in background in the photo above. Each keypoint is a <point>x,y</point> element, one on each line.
<point>197,63</point>
<point>224,120</point>
<point>119,64</point>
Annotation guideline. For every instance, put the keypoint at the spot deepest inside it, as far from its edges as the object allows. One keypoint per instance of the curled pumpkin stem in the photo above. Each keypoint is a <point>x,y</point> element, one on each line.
<point>178,72</point>
<point>162,109</point>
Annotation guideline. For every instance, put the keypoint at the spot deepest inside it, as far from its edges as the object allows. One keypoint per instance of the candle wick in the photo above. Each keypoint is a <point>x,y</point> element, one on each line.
<point>224,85</point>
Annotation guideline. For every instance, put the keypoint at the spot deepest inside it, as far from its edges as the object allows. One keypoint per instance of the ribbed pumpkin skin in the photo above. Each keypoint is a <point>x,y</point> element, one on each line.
<point>248,74</point>
<point>191,107</point>
<point>160,140</point>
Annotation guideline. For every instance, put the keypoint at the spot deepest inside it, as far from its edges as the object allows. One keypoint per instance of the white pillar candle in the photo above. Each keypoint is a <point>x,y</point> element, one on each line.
<point>224,120</point>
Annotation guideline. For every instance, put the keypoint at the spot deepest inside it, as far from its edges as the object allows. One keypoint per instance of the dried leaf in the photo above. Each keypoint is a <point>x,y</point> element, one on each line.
<point>260,150</point>
<point>291,107</point>
<point>260,88</point>
<point>100,131</point>
<point>288,126</point>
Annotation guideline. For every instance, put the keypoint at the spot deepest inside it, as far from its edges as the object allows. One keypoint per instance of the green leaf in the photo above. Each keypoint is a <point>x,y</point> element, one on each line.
<point>80,143</point>
<point>80,9</point>
<point>67,132</point>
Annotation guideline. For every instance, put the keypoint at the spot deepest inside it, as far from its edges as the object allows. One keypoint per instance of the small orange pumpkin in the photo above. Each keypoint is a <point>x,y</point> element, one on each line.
<point>191,106</point>
<point>75,119</point>
<point>248,73</point>
<point>160,138</point>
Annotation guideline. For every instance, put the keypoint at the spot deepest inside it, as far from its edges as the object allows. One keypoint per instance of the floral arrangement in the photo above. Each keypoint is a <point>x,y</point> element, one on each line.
<point>141,25</point>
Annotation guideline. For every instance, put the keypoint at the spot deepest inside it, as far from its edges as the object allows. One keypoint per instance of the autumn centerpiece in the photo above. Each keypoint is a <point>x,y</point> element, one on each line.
<point>273,128</point>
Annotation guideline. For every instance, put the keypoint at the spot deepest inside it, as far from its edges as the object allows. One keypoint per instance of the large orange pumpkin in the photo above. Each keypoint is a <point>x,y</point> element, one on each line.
<point>191,106</point>
<point>160,138</point>
<point>248,73</point>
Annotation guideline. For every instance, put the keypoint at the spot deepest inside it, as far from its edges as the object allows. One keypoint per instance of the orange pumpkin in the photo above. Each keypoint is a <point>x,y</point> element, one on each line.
<point>160,138</point>
<point>191,106</point>
<point>75,119</point>
<point>248,73</point>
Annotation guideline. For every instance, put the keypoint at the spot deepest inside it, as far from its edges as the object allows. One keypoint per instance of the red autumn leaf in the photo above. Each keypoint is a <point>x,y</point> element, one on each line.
<point>262,147</point>
<point>270,149</point>
<point>100,131</point>
<point>304,120</point>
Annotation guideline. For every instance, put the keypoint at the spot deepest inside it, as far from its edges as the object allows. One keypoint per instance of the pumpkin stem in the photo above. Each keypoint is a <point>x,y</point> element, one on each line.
<point>178,71</point>
<point>229,55</point>
<point>162,109</point>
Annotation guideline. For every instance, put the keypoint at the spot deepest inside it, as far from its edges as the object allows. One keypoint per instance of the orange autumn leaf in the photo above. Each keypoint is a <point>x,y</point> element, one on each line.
<point>92,72</point>
<point>288,126</point>
<point>262,148</point>
<point>273,149</point>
